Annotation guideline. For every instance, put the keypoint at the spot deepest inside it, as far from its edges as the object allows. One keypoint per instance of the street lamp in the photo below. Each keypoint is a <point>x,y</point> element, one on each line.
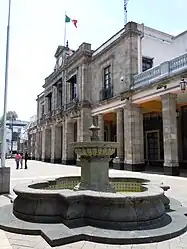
<point>183,84</point>
<point>3,149</point>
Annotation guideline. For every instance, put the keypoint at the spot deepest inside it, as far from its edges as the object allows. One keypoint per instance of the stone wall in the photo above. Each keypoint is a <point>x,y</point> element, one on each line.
<point>122,56</point>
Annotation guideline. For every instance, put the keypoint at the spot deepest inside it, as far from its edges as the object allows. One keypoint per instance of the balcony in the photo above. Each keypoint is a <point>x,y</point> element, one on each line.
<point>57,111</point>
<point>106,93</point>
<point>163,71</point>
<point>72,104</point>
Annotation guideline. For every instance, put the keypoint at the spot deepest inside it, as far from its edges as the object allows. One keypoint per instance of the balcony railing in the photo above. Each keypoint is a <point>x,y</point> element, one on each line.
<point>106,93</point>
<point>164,70</point>
<point>72,103</point>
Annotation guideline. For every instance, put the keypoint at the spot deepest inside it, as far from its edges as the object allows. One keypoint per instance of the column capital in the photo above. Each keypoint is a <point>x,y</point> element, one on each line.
<point>169,95</point>
<point>131,106</point>
<point>119,110</point>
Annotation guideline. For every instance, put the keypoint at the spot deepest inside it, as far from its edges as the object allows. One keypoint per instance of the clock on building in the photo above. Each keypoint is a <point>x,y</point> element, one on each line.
<point>60,61</point>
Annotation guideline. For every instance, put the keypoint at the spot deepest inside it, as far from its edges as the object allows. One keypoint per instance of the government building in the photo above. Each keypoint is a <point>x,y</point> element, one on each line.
<point>132,87</point>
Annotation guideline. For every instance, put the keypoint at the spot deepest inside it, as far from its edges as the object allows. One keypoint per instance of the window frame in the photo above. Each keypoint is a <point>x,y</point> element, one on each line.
<point>146,61</point>
<point>107,79</point>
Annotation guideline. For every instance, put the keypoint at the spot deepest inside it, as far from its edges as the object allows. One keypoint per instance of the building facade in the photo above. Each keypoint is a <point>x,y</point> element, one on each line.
<point>16,127</point>
<point>130,88</point>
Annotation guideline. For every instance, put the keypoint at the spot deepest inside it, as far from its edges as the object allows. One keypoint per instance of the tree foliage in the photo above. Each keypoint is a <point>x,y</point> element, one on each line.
<point>11,115</point>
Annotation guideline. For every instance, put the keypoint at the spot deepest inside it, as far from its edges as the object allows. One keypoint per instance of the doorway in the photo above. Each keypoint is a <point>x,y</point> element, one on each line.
<point>152,145</point>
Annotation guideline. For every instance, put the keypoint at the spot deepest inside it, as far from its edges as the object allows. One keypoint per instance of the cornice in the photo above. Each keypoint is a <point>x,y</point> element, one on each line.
<point>52,76</point>
<point>77,56</point>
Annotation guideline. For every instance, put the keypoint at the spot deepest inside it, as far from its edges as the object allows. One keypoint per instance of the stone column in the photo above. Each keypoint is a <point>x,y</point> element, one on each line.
<point>48,144</point>
<point>38,109</point>
<point>54,97</point>
<point>68,156</point>
<point>101,126</point>
<point>32,147</point>
<point>37,144</point>
<point>52,144</point>
<point>58,144</point>
<point>85,123</point>
<point>118,162</point>
<point>79,138</point>
<point>45,105</point>
<point>79,129</point>
<point>43,144</point>
<point>133,138</point>
<point>40,145</point>
<point>171,165</point>
<point>29,146</point>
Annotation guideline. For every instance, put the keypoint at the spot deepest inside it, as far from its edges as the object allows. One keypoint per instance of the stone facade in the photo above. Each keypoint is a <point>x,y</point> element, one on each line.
<point>103,87</point>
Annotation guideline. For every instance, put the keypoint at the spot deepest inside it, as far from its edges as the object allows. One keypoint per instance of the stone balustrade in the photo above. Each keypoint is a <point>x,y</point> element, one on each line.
<point>164,70</point>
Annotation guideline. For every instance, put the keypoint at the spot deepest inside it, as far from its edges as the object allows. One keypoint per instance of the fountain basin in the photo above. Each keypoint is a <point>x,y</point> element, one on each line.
<point>119,184</point>
<point>77,208</point>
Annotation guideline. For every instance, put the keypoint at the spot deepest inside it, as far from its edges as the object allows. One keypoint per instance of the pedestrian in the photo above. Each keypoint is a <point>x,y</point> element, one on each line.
<point>21,160</point>
<point>17,159</point>
<point>26,158</point>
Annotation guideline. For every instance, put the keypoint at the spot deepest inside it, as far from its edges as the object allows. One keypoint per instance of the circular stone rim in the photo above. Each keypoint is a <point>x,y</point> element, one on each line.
<point>151,191</point>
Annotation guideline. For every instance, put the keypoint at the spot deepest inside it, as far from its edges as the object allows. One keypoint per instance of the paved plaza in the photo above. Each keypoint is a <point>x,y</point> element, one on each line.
<point>39,171</point>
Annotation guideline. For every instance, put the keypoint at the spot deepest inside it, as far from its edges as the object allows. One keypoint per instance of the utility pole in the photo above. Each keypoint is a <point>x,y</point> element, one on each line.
<point>3,152</point>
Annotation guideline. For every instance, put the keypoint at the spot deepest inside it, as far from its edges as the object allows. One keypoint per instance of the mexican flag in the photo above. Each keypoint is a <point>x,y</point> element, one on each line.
<point>68,19</point>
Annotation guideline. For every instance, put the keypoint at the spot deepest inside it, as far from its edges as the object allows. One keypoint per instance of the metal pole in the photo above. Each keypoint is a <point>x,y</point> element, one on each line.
<point>65,30</point>
<point>12,134</point>
<point>125,12</point>
<point>3,152</point>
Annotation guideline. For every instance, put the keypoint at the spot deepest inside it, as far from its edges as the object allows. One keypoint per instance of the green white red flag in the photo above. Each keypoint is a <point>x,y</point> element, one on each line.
<point>68,19</point>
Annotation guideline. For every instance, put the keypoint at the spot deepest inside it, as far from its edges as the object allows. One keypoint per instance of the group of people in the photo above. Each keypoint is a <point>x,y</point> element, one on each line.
<point>19,160</point>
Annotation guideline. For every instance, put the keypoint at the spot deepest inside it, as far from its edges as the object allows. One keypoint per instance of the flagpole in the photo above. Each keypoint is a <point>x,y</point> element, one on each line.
<point>3,149</point>
<point>65,29</point>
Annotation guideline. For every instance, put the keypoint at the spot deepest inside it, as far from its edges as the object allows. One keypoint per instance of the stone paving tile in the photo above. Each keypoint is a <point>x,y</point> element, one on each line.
<point>24,243</point>
<point>4,242</point>
<point>125,246</point>
<point>145,246</point>
<point>163,245</point>
<point>5,247</point>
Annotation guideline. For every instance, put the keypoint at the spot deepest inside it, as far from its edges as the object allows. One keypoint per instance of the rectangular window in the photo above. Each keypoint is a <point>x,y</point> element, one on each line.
<point>73,88</point>
<point>42,109</point>
<point>49,103</point>
<point>107,77</point>
<point>72,91</point>
<point>147,63</point>
<point>59,96</point>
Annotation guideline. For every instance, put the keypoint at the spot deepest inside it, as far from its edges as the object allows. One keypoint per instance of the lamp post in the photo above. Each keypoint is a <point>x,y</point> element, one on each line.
<point>3,152</point>
<point>183,84</point>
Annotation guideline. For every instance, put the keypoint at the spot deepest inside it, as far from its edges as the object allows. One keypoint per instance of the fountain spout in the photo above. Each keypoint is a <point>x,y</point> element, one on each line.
<point>94,136</point>
<point>94,159</point>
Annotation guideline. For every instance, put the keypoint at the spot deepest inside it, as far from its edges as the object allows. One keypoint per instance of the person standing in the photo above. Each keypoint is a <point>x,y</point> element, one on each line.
<point>17,159</point>
<point>21,160</point>
<point>26,158</point>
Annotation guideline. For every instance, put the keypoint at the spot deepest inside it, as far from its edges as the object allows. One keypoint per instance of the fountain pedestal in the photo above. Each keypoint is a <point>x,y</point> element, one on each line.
<point>95,157</point>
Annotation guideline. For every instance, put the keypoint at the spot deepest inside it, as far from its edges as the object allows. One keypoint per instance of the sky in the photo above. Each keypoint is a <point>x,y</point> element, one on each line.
<point>37,28</point>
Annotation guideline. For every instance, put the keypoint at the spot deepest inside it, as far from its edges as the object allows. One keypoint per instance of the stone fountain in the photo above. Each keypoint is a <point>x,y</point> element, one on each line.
<point>95,157</point>
<point>94,206</point>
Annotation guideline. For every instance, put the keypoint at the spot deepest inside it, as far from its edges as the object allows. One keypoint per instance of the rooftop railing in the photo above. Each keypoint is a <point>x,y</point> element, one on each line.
<point>165,70</point>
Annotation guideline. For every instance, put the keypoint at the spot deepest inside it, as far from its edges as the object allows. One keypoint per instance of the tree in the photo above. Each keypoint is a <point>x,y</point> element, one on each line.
<point>11,115</point>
